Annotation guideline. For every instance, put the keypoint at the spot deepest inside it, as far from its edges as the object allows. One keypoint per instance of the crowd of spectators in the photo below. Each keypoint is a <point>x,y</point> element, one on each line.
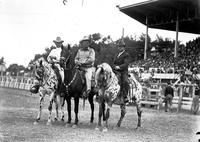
<point>188,59</point>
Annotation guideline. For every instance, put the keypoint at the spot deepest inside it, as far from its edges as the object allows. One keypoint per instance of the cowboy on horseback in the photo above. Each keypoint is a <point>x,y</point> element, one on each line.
<point>54,59</point>
<point>85,59</point>
<point>121,62</point>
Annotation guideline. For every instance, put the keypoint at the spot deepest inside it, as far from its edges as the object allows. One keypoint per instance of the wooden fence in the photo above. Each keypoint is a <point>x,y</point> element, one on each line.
<point>183,95</point>
<point>23,83</point>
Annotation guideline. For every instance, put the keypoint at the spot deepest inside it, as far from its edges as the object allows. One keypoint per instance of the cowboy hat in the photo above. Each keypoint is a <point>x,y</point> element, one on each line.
<point>86,38</point>
<point>58,39</point>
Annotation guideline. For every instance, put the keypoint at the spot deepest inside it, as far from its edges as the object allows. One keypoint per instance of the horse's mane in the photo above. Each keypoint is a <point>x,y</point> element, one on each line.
<point>104,69</point>
<point>68,49</point>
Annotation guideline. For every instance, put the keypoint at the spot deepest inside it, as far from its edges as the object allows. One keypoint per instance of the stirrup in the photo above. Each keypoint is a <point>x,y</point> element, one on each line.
<point>86,94</point>
<point>126,100</point>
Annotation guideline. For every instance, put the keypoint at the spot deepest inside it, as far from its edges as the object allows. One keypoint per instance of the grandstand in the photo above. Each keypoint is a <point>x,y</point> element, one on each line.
<point>171,15</point>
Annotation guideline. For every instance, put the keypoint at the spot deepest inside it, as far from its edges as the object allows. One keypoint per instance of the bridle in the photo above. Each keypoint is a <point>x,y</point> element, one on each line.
<point>65,61</point>
<point>102,80</point>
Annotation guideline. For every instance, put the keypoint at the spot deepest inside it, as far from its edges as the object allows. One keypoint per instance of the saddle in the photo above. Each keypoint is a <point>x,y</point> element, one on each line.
<point>82,73</point>
<point>118,75</point>
<point>83,79</point>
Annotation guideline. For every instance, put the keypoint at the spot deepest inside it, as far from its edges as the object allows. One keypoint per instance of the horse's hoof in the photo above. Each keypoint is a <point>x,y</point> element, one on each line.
<point>56,119</point>
<point>138,128</point>
<point>105,129</point>
<point>90,123</point>
<point>35,123</point>
<point>118,125</point>
<point>68,125</point>
<point>48,124</point>
<point>97,129</point>
<point>74,126</point>
<point>115,128</point>
<point>62,120</point>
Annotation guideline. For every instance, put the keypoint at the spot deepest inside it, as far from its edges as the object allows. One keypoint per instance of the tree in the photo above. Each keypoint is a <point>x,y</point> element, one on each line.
<point>165,46</point>
<point>45,54</point>
<point>15,69</point>
<point>96,36</point>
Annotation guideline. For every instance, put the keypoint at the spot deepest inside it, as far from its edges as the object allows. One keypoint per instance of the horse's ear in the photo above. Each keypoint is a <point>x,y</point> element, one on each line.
<point>68,47</point>
<point>102,70</point>
<point>40,62</point>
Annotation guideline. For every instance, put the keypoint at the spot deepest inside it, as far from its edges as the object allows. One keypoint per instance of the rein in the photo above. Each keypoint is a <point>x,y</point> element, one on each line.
<point>65,61</point>
<point>74,77</point>
<point>67,85</point>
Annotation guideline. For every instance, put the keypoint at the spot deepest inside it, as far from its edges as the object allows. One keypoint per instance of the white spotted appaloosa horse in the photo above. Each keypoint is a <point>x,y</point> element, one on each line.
<point>109,89</point>
<point>48,83</point>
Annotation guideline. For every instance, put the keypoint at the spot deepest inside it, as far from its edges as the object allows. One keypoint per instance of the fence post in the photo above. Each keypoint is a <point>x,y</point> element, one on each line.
<point>159,98</point>
<point>180,98</point>
<point>193,98</point>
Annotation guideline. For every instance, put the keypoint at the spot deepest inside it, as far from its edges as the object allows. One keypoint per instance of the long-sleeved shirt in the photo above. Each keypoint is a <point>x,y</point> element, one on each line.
<point>85,57</point>
<point>54,54</point>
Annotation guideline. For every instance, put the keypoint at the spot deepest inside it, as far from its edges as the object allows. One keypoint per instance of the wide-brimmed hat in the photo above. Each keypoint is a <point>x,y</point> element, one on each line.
<point>86,38</point>
<point>58,40</point>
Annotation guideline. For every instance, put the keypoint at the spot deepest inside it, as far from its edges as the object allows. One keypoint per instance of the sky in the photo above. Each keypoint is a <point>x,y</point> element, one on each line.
<point>27,27</point>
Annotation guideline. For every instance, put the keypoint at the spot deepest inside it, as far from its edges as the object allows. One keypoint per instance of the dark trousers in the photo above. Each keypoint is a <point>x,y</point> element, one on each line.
<point>124,84</point>
<point>168,102</point>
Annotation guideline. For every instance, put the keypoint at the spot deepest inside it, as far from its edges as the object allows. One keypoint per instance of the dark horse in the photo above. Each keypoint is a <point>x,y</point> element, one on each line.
<point>74,86</point>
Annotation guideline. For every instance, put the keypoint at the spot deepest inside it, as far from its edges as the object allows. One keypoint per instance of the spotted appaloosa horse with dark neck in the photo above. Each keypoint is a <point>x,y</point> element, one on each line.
<point>48,82</point>
<point>109,88</point>
<point>74,86</point>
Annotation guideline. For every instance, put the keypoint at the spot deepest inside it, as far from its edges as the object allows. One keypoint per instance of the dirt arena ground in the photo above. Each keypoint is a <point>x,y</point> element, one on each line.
<point>18,110</point>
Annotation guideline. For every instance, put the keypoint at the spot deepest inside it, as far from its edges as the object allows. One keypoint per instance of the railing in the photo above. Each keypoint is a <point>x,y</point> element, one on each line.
<point>183,95</point>
<point>19,82</point>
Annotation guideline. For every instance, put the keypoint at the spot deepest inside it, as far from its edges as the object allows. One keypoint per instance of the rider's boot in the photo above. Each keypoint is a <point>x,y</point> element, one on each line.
<point>126,99</point>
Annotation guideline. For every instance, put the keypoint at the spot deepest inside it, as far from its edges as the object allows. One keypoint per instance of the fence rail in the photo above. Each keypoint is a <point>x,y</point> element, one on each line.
<point>184,94</point>
<point>153,96</point>
<point>23,83</point>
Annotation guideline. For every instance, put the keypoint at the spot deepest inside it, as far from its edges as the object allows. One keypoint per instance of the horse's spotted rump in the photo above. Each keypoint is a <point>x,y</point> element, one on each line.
<point>109,89</point>
<point>135,88</point>
<point>49,79</point>
<point>110,92</point>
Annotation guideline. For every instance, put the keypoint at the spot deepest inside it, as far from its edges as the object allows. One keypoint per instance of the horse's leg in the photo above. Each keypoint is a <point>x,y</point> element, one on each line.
<point>123,113</point>
<point>76,102</point>
<point>166,104</point>
<point>107,115</point>
<point>57,103</point>
<point>62,103</point>
<point>103,110</point>
<point>139,112</point>
<point>50,107</point>
<point>90,99</point>
<point>69,109</point>
<point>40,108</point>
<point>99,116</point>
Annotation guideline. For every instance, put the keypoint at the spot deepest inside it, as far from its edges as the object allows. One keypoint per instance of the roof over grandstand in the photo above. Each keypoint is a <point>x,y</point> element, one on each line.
<point>162,14</point>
